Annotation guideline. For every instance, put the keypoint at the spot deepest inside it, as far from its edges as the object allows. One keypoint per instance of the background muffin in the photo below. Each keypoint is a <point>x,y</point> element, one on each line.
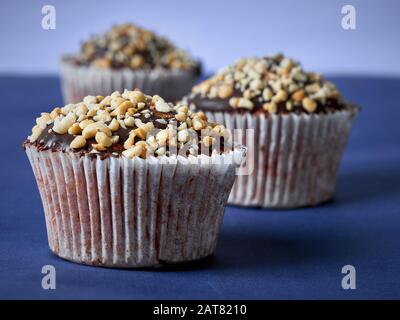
<point>299,125</point>
<point>130,57</point>
<point>123,177</point>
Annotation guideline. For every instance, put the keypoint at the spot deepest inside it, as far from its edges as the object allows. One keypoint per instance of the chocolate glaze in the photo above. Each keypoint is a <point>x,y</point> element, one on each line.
<point>196,70</point>
<point>222,105</point>
<point>61,142</point>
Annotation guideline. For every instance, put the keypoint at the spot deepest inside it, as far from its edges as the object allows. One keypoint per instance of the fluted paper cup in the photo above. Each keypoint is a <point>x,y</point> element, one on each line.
<point>119,212</point>
<point>80,81</point>
<point>294,158</point>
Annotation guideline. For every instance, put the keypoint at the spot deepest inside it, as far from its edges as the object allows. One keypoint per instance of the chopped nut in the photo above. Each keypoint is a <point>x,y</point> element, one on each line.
<point>280,96</point>
<point>201,115</point>
<point>43,121</point>
<point>92,112</point>
<point>67,109</point>
<point>182,126</point>
<point>36,131</point>
<point>309,104</point>
<point>208,141</point>
<point>98,147</point>
<point>267,94</point>
<point>81,110</point>
<point>183,135</point>
<point>130,112</point>
<point>114,125</point>
<point>55,113</point>
<point>137,96</point>
<point>198,124</point>
<point>99,98</point>
<point>203,87</point>
<point>130,122</point>
<point>245,103</point>
<point>162,137</point>
<point>138,123</point>
<point>225,91</point>
<point>78,142</point>
<point>122,123</point>
<point>312,88</point>
<point>90,130</point>
<point>247,94</point>
<point>103,63</point>
<point>129,142</point>
<point>180,117</point>
<point>289,105</point>
<point>61,125</point>
<point>271,107</point>
<point>135,151</point>
<point>256,84</point>
<point>102,115</point>
<point>298,95</point>
<point>161,151</point>
<point>141,105</point>
<point>162,121</point>
<point>144,129</point>
<point>115,94</point>
<point>122,107</point>
<point>89,100</point>
<point>106,101</point>
<point>137,61</point>
<point>114,139</point>
<point>334,94</point>
<point>83,124</point>
<point>183,109</point>
<point>103,139</point>
<point>234,102</point>
<point>82,117</point>
<point>75,129</point>
<point>162,106</point>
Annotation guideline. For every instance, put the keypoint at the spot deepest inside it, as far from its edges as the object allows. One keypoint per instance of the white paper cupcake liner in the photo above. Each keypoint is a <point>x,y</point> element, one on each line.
<point>295,157</point>
<point>80,81</point>
<point>119,212</point>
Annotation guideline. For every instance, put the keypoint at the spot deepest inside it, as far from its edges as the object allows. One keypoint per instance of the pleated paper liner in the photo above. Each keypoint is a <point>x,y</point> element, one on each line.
<point>119,212</point>
<point>80,81</point>
<point>292,160</point>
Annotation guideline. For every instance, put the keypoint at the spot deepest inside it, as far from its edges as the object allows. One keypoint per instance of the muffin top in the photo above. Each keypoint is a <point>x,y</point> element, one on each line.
<point>129,124</point>
<point>274,85</point>
<point>128,46</point>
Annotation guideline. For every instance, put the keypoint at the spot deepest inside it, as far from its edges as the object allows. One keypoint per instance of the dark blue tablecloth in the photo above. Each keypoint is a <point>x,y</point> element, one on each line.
<point>262,254</point>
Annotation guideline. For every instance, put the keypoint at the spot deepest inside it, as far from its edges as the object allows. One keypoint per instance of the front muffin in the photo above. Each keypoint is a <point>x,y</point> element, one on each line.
<point>130,57</point>
<point>123,177</point>
<point>295,122</point>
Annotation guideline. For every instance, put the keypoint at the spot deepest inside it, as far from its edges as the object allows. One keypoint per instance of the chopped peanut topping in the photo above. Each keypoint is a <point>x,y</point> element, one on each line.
<point>132,124</point>
<point>128,46</point>
<point>274,84</point>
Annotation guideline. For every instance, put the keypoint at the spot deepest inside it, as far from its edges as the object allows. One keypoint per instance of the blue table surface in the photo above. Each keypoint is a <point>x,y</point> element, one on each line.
<point>261,254</point>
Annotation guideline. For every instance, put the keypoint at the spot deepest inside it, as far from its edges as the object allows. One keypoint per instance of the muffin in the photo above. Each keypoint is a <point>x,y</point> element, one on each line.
<point>123,180</point>
<point>295,124</point>
<point>129,57</point>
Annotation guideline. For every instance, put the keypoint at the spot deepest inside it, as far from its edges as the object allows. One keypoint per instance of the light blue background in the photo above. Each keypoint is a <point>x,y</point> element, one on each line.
<point>218,32</point>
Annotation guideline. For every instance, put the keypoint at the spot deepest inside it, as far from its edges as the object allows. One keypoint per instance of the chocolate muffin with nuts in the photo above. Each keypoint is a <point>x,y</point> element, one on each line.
<point>122,179</point>
<point>294,123</point>
<point>127,56</point>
